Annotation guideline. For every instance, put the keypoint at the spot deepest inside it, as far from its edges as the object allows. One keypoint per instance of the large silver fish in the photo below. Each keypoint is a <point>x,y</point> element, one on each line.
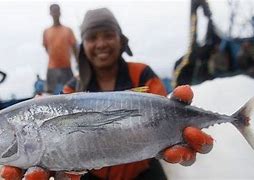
<point>91,130</point>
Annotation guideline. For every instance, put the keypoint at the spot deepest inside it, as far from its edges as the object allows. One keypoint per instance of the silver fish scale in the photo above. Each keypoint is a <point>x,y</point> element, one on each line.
<point>107,143</point>
<point>92,130</point>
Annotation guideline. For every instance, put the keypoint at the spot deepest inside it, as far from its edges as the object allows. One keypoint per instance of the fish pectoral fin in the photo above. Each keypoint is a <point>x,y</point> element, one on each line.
<point>12,150</point>
<point>117,115</point>
<point>122,112</point>
<point>89,121</point>
<point>108,117</point>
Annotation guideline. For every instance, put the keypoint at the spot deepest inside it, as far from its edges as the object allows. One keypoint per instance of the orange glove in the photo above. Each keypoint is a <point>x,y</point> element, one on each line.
<point>197,141</point>
<point>33,173</point>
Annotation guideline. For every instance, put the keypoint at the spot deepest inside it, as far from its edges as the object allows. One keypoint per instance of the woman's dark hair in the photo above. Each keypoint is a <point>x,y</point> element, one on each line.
<point>85,71</point>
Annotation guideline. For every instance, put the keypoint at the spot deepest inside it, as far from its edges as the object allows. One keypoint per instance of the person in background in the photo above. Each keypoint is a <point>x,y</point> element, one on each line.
<point>59,41</point>
<point>102,68</point>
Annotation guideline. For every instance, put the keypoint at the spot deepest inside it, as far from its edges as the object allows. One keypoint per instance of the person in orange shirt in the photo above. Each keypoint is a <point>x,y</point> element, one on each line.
<point>59,42</point>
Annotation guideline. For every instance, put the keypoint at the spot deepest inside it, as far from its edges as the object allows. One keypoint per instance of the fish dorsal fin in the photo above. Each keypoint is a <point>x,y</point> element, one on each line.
<point>143,89</point>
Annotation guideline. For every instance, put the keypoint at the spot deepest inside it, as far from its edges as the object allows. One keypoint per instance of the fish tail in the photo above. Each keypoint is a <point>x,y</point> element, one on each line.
<point>243,121</point>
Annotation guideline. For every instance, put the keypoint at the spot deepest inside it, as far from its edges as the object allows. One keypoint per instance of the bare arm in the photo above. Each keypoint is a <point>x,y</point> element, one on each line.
<point>44,41</point>
<point>75,50</point>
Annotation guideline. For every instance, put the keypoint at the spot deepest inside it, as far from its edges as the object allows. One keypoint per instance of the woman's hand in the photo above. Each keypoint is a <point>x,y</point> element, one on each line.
<point>196,140</point>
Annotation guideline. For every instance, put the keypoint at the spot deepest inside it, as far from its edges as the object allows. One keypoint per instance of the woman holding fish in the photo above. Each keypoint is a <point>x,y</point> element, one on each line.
<point>102,68</point>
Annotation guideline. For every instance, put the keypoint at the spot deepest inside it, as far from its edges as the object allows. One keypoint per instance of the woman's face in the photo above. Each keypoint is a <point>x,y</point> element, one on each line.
<point>102,48</point>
